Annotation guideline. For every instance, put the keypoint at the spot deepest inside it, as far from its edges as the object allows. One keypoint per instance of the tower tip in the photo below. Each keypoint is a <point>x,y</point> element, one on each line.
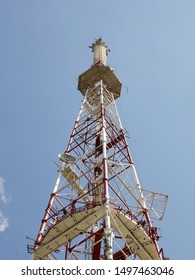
<point>100,50</point>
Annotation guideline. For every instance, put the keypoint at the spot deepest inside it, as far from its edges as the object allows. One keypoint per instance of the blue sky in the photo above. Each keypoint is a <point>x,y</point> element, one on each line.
<point>43,50</point>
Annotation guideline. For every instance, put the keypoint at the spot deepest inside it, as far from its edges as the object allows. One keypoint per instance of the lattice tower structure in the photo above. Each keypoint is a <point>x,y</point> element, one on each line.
<point>98,209</point>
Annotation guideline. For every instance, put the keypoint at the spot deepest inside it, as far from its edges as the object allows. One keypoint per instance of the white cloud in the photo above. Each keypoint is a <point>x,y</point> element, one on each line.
<point>3,199</point>
<point>3,222</point>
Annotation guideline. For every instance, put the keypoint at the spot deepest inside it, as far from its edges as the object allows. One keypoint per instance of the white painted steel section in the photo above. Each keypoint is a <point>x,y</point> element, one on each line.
<point>107,230</point>
<point>136,238</point>
<point>57,181</point>
<point>60,233</point>
<point>103,125</point>
<point>69,174</point>
<point>139,241</point>
<point>142,199</point>
<point>44,223</point>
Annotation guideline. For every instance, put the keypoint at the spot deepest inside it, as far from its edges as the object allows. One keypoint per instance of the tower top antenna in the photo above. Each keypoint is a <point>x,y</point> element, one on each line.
<point>99,70</point>
<point>100,51</point>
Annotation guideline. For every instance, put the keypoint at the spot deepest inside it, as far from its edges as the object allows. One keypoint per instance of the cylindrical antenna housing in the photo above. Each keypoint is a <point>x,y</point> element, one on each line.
<point>100,51</point>
<point>99,71</point>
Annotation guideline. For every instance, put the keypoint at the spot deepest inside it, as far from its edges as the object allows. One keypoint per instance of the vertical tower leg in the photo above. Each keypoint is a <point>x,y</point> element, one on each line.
<point>44,221</point>
<point>107,230</point>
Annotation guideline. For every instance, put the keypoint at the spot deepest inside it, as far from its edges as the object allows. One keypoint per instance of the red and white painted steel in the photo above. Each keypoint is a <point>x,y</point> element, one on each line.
<point>98,209</point>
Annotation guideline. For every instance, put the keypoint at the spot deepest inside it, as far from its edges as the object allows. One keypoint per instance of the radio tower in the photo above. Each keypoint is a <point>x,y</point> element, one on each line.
<point>98,209</point>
